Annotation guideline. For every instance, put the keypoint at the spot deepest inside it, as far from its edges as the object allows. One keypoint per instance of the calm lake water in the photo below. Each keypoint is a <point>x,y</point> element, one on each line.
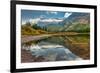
<point>56,48</point>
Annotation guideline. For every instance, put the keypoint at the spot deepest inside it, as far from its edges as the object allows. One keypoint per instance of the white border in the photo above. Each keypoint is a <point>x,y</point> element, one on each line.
<point>20,65</point>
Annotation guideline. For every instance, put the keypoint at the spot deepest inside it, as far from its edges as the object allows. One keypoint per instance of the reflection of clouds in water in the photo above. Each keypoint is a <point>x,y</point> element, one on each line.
<point>52,52</point>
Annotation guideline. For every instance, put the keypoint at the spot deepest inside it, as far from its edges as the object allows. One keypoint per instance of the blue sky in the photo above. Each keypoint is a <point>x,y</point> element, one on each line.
<point>26,15</point>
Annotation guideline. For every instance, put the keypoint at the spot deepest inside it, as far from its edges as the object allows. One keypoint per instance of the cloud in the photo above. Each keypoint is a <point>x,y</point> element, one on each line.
<point>51,12</point>
<point>23,22</point>
<point>67,14</point>
<point>45,20</point>
<point>36,20</point>
<point>51,20</point>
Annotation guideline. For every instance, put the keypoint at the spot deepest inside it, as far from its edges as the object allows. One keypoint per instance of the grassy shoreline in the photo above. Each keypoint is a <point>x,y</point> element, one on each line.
<point>28,38</point>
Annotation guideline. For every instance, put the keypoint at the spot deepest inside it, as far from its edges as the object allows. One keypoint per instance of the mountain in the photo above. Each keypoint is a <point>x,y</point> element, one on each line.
<point>46,22</point>
<point>75,22</point>
<point>78,18</point>
<point>80,22</point>
<point>79,28</point>
<point>51,25</point>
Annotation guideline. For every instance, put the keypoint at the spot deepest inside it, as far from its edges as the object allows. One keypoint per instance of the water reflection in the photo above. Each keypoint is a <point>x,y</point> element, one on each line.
<point>59,48</point>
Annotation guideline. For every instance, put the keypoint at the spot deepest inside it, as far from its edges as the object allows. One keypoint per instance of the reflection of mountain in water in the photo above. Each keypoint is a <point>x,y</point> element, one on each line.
<point>52,52</point>
<point>62,48</point>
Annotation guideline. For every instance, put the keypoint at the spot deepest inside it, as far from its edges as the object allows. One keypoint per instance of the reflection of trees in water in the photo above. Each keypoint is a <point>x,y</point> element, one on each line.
<point>79,45</point>
<point>82,49</point>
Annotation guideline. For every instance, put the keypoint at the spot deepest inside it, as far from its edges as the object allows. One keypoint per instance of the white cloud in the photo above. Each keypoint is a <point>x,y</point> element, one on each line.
<point>51,20</point>
<point>51,12</point>
<point>34,20</point>
<point>45,20</point>
<point>31,20</point>
<point>67,14</point>
<point>23,22</point>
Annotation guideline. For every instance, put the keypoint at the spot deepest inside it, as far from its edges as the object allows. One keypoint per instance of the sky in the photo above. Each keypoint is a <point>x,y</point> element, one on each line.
<point>35,15</point>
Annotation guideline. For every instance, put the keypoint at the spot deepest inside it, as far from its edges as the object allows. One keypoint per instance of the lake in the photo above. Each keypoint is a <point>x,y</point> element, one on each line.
<point>59,48</point>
